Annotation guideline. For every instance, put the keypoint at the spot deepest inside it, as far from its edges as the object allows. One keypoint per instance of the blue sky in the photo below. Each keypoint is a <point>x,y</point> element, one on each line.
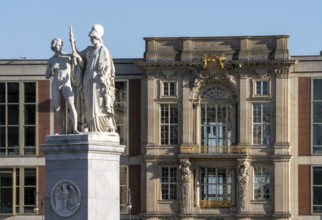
<point>28,26</point>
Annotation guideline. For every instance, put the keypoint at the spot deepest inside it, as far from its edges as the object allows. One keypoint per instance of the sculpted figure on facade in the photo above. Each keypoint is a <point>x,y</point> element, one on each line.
<point>243,176</point>
<point>186,180</point>
<point>98,84</point>
<point>59,67</point>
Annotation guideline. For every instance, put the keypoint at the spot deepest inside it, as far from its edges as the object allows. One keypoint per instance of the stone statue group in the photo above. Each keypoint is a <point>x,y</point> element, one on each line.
<point>86,81</point>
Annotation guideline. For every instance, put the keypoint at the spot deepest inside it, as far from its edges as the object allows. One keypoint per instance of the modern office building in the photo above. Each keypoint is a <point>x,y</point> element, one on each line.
<point>214,128</point>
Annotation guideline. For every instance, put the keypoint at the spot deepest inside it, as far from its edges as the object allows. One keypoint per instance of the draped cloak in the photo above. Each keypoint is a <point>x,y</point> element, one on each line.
<point>98,89</point>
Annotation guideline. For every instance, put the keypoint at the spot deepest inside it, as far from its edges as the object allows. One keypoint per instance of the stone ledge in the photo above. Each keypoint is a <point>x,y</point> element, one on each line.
<point>93,142</point>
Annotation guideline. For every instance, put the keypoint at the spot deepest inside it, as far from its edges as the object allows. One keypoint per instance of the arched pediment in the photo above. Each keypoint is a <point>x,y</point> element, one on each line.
<point>212,88</point>
<point>215,93</point>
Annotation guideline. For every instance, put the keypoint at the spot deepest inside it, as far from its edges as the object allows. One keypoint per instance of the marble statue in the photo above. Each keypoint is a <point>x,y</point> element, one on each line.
<point>59,67</point>
<point>242,176</point>
<point>186,180</point>
<point>98,84</point>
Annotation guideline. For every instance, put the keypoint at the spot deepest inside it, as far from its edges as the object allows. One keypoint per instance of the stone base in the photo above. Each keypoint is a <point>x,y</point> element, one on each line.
<point>82,176</point>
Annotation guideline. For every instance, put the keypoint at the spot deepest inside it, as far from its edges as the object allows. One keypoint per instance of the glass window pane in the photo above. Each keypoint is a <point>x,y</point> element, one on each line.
<point>17,199</point>
<point>30,92</point>
<point>30,177</point>
<point>13,115</point>
<point>30,114</point>
<point>6,199</point>
<point>317,176</point>
<point>2,114</point>
<point>120,110</point>
<point>2,141</point>
<point>317,209</point>
<point>173,191</point>
<point>317,134</point>
<point>258,88</point>
<point>13,136</point>
<point>267,114</point>
<point>172,89</point>
<point>265,87</point>
<point>13,92</point>
<point>168,183</point>
<point>256,113</point>
<point>120,91</point>
<point>30,195</point>
<point>30,136</point>
<point>317,112</point>
<point>317,89</point>
<point>317,195</point>
<point>2,93</point>
<point>13,140</point>
<point>165,88</point>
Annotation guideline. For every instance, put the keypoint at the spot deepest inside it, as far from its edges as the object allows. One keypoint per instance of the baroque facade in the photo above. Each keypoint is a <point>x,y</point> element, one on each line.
<point>215,128</point>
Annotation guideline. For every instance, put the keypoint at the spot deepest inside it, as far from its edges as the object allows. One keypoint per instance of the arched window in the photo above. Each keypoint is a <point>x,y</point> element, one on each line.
<point>217,119</point>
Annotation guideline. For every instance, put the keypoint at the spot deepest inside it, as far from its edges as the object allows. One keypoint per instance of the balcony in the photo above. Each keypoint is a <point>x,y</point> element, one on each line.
<point>213,150</point>
<point>215,203</point>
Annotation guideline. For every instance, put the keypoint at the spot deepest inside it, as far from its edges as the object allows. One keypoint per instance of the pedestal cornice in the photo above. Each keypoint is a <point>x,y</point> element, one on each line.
<point>92,142</point>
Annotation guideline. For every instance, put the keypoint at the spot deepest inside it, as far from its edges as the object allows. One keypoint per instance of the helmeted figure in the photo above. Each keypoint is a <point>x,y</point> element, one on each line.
<point>98,83</point>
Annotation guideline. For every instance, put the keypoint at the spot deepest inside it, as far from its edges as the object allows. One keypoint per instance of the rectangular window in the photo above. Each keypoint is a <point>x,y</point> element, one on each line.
<point>317,190</point>
<point>18,118</point>
<point>169,89</point>
<point>262,88</point>
<point>169,124</point>
<point>216,127</point>
<point>121,111</point>
<point>262,183</point>
<point>168,183</point>
<point>20,182</point>
<point>215,187</point>
<point>124,189</point>
<point>317,116</point>
<point>29,118</point>
<point>262,120</point>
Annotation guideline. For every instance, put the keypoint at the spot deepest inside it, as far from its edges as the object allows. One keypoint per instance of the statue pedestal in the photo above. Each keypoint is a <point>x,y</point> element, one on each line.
<point>82,176</point>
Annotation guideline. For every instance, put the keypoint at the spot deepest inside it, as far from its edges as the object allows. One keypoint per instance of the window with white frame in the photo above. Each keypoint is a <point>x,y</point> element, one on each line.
<point>262,123</point>
<point>169,124</point>
<point>217,121</point>
<point>121,111</point>
<point>215,184</point>
<point>262,183</point>
<point>216,126</point>
<point>18,118</point>
<point>262,88</point>
<point>169,88</point>
<point>317,190</point>
<point>317,116</point>
<point>169,181</point>
<point>21,182</point>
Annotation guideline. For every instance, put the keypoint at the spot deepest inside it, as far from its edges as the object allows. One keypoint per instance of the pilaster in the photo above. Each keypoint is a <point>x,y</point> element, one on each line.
<point>244,110</point>
<point>282,112</point>
<point>282,187</point>
<point>151,111</point>
<point>187,115</point>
